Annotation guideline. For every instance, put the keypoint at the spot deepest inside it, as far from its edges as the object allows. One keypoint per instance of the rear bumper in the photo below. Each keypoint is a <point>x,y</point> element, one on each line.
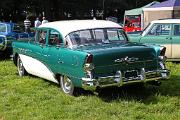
<point>107,81</point>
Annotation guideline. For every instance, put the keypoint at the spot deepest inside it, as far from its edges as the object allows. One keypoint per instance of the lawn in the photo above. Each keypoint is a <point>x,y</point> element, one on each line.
<point>32,98</point>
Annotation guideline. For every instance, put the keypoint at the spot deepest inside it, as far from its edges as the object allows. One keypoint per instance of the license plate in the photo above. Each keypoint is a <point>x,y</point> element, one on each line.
<point>131,74</point>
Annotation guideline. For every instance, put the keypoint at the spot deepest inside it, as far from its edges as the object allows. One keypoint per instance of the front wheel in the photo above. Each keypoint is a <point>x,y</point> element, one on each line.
<point>21,69</point>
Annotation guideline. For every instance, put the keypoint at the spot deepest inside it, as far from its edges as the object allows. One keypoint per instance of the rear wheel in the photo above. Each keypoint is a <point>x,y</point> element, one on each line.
<point>21,69</point>
<point>67,85</point>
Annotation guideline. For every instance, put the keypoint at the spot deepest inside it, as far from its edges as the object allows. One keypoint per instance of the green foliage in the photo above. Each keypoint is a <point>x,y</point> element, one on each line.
<point>16,10</point>
<point>32,98</point>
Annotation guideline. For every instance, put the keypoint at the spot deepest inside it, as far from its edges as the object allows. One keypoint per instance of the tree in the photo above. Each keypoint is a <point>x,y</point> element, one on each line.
<point>16,10</point>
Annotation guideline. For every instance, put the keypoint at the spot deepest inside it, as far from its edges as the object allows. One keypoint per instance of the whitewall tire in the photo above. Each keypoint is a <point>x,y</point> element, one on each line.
<point>20,67</point>
<point>67,85</point>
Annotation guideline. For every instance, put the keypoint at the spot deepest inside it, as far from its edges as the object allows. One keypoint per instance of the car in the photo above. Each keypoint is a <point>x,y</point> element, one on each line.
<point>88,54</point>
<point>164,32</point>
<point>132,23</point>
<point>11,31</point>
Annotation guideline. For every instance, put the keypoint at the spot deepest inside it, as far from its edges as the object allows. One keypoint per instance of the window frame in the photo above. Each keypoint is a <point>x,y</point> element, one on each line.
<point>37,36</point>
<point>93,34</point>
<point>173,31</point>
<point>170,32</point>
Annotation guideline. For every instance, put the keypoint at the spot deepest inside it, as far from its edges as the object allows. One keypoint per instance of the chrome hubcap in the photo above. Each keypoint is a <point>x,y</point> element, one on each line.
<point>20,67</point>
<point>67,84</point>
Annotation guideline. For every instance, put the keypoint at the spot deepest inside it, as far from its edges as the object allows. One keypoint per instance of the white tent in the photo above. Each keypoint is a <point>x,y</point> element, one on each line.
<point>166,9</point>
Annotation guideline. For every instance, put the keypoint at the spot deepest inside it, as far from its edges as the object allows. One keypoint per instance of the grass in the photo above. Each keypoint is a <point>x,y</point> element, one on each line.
<point>32,98</point>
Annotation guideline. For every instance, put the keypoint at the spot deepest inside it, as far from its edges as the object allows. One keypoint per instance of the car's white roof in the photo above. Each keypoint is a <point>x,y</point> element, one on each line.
<point>66,27</point>
<point>166,21</point>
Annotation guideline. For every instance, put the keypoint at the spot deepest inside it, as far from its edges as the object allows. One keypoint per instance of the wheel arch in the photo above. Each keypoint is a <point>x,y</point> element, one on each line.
<point>76,81</point>
<point>57,77</point>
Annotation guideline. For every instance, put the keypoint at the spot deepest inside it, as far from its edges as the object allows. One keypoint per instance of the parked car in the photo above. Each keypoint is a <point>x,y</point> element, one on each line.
<point>132,23</point>
<point>164,32</point>
<point>88,54</point>
<point>8,33</point>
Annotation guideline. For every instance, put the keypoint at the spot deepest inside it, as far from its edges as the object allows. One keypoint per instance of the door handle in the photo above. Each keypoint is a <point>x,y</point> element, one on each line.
<point>60,61</point>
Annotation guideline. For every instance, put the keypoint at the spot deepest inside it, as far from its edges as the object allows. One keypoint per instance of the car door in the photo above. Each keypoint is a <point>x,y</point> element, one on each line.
<point>39,44</point>
<point>57,56</point>
<point>159,34</point>
<point>36,65</point>
<point>32,55</point>
<point>52,51</point>
<point>176,41</point>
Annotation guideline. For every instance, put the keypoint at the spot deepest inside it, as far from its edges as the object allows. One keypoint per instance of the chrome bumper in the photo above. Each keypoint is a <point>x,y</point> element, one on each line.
<point>144,76</point>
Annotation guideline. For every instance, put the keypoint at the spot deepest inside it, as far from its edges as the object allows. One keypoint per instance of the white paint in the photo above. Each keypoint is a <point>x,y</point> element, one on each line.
<point>68,26</point>
<point>175,48</point>
<point>37,68</point>
<point>161,8</point>
<point>158,8</point>
<point>166,21</point>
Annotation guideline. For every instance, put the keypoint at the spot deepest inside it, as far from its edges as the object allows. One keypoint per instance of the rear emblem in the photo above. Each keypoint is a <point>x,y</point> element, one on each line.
<point>126,59</point>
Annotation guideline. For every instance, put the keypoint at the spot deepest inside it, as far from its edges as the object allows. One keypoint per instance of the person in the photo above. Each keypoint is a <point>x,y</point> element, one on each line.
<point>37,23</point>
<point>27,24</point>
<point>44,20</point>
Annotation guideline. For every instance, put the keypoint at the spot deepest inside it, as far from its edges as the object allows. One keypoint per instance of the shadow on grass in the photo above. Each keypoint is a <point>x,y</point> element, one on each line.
<point>134,92</point>
<point>130,93</point>
<point>79,92</point>
<point>4,55</point>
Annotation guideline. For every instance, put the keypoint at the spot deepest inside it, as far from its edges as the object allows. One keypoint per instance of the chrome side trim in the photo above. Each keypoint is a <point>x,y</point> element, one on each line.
<point>117,63</point>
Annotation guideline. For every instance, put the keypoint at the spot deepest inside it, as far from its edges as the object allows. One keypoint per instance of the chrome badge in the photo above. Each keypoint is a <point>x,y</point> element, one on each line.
<point>126,59</point>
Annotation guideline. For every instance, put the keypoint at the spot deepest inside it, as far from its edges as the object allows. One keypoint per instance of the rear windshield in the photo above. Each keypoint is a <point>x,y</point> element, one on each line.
<point>97,36</point>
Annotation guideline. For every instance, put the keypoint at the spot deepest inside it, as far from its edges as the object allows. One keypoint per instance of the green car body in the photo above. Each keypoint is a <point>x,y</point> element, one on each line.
<point>162,32</point>
<point>88,63</point>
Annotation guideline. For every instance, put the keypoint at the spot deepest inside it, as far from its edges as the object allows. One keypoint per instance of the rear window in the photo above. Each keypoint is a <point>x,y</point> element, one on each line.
<point>160,29</point>
<point>97,36</point>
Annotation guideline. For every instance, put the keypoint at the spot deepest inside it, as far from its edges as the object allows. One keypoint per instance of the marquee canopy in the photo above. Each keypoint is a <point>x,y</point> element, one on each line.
<point>166,9</point>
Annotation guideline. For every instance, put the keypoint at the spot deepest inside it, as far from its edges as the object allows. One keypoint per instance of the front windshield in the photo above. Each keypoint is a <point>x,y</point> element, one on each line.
<point>3,28</point>
<point>97,36</point>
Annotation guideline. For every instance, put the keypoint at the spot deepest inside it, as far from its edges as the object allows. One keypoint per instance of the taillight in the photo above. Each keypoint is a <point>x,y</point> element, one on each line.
<point>89,58</point>
<point>88,66</point>
<point>163,51</point>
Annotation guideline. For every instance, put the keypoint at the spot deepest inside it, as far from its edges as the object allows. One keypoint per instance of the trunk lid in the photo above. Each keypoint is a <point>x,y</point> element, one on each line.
<point>109,58</point>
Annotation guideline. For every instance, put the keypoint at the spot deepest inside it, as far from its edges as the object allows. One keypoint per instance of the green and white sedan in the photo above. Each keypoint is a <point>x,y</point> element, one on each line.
<point>162,32</point>
<point>88,54</point>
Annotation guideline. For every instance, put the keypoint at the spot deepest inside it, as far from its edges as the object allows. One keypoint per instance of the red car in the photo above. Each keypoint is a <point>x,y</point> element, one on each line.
<point>132,23</point>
